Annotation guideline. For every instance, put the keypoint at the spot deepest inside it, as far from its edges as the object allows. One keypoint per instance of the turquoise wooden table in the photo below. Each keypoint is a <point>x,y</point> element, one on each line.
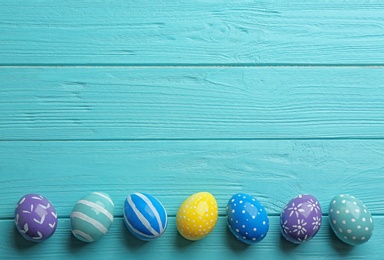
<point>270,98</point>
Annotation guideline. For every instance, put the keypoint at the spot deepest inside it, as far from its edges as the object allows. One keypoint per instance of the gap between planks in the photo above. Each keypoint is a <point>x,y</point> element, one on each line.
<point>182,65</point>
<point>196,139</point>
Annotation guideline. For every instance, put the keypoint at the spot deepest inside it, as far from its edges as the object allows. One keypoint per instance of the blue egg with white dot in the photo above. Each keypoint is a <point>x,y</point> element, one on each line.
<point>247,219</point>
<point>145,216</point>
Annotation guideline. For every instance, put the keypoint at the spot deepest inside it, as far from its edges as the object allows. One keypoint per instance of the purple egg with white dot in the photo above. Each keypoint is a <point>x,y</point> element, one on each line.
<point>247,219</point>
<point>35,218</point>
<point>301,219</point>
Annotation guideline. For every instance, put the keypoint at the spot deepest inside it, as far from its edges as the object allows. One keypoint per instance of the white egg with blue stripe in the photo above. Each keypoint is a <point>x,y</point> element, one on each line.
<point>145,216</point>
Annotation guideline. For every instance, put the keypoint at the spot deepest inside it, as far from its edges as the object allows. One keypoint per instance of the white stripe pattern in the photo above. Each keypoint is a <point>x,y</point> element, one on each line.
<point>84,235</point>
<point>153,209</point>
<point>140,216</point>
<point>134,229</point>
<point>105,197</point>
<point>91,221</point>
<point>97,207</point>
<point>22,200</point>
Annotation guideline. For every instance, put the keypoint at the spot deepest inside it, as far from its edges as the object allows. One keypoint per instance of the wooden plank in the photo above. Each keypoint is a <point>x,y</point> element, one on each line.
<point>273,171</point>
<point>191,103</point>
<point>220,244</point>
<point>183,32</point>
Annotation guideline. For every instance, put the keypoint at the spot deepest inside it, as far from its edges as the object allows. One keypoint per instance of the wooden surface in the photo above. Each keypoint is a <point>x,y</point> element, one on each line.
<point>271,98</point>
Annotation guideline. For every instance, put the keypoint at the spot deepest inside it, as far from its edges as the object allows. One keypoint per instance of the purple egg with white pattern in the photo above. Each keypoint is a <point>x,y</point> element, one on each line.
<point>301,219</point>
<point>35,218</point>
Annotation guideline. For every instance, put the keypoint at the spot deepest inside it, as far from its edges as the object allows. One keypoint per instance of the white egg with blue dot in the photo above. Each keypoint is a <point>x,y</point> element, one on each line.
<point>247,219</point>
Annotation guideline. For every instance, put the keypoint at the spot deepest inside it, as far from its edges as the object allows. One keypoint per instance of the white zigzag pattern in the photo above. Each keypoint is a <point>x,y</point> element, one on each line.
<point>37,198</point>
<point>41,221</point>
<point>21,202</point>
<point>45,207</point>
<point>52,225</point>
<point>40,236</point>
<point>25,230</point>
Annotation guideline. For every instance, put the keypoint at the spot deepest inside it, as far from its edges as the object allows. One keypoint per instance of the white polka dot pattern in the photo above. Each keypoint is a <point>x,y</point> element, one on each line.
<point>350,219</point>
<point>197,216</point>
<point>247,218</point>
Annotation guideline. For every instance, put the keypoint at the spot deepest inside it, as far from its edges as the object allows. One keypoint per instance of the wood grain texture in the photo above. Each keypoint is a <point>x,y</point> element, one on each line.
<point>271,98</point>
<point>273,171</point>
<point>191,103</point>
<point>220,244</point>
<point>190,32</point>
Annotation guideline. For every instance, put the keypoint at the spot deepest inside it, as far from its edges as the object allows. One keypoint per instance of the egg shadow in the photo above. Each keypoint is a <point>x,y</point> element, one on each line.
<point>181,242</point>
<point>19,242</point>
<point>340,247</point>
<point>233,243</point>
<point>76,245</point>
<point>130,241</point>
<point>286,246</point>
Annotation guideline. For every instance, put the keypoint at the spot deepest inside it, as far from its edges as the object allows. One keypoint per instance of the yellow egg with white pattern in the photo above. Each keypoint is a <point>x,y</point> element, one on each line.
<point>197,216</point>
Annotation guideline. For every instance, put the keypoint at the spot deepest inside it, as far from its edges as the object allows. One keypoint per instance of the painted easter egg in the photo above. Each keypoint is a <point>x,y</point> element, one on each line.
<point>92,217</point>
<point>35,218</point>
<point>247,219</point>
<point>301,219</point>
<point>145,216</point>
<point>197,216</point>
<point>350,219</point>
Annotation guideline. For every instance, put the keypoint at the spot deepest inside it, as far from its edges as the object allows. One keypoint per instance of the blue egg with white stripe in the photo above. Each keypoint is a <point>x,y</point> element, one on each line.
<point>145,216</point>
<point>92,217</point>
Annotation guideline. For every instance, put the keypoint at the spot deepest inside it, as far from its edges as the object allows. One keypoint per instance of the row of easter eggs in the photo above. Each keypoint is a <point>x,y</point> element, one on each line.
<point>146,217</point>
